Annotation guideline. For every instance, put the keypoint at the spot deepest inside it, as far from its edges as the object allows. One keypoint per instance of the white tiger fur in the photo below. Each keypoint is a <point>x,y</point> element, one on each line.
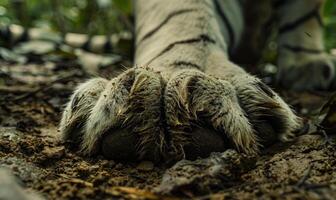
<point>185,80</point>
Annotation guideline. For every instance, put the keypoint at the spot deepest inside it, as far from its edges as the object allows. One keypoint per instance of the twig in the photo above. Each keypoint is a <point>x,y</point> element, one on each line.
<point>305,177</point>
<point>15,89</point>
<point>326,138</point>
<point>321,131</point>
<point>317,186</point>
<point>302,183</point>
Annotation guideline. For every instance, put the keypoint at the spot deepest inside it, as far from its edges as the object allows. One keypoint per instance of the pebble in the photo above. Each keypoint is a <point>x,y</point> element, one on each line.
<point>10,189</point>
<point>54,152</point>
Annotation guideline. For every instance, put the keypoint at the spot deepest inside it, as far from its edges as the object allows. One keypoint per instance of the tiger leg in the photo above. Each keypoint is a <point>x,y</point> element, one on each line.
<point>188,43</point>
<point>302,60</point>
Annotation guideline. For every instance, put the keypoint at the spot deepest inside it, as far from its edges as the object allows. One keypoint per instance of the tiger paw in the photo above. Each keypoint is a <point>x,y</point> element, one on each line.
<point>138,116</point>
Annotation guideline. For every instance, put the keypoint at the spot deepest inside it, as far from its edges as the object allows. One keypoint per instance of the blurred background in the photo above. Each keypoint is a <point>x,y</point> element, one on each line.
<point>106,17</point>
<point>79,16</point>
<point>99,16</point>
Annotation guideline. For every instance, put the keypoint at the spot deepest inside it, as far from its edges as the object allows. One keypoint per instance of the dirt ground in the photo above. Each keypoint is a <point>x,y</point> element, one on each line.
<point>32,97</point>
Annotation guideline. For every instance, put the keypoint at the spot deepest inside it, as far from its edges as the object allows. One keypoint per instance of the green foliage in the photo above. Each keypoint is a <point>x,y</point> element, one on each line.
<point>83,16</point>
<point>330,24</point>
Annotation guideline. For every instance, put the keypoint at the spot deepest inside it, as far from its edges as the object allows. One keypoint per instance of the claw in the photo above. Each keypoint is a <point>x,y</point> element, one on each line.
<point>270,116</point>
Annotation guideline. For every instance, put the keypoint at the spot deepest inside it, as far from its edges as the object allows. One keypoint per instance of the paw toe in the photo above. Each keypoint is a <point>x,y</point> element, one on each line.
<point>78,109</point>
<point>130,102</point>
<point>118,118</point>
<point>191,98</point>
<point>269,115</point>
<point>314,75</point>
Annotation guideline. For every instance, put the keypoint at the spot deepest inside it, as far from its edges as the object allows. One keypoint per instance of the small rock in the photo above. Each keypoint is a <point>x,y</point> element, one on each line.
<point>222,168</point>
<point>83,168</point>
<point>54,152</point>
<point>145,166</point>
<point>20,167</point>
<point>119,166</point>
<point>10,133</point>
<point>108,163</point>
<point>10,189</point>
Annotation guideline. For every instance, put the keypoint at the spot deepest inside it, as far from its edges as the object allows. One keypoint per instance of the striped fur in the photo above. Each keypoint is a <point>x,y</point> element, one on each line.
<point>185,82</point>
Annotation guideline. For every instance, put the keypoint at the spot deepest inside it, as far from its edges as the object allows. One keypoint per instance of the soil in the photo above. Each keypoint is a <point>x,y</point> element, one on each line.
<point>31,101</point>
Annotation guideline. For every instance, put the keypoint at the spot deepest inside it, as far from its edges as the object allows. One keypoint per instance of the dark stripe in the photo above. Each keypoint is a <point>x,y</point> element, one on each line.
<point>292,25</point>
<point>201,38</point>
<point>299,49</point>
<point>165,21</point>
<point>186,63</point>
<point>227,24</point>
